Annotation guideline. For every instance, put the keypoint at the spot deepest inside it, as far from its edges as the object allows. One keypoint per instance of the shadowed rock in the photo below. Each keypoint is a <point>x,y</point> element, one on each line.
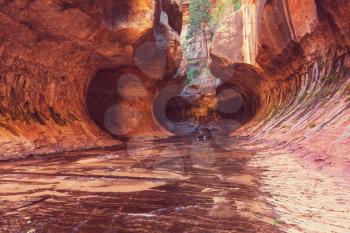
<point>53,52</point>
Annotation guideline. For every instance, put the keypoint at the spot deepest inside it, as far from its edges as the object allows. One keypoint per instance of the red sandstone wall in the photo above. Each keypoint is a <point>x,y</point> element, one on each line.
<point>50,51</point>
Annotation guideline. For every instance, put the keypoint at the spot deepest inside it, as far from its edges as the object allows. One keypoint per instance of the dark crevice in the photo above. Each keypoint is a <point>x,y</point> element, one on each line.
<point>324,15</point>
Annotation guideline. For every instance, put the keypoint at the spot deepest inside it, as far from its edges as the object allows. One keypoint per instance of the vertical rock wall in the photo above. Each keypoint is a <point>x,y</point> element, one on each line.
<point>294,57</point>
<point>52,53</point>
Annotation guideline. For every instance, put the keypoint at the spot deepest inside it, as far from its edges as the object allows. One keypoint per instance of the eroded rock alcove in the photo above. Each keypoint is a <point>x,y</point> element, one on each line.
<point>52,57</point>
<point>98,90</point>
<point>296,61</point>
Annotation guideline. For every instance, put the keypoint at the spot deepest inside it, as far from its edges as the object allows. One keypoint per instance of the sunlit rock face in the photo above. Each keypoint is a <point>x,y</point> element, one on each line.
<point>56,55</point>
<point>267,152</point>
<point>293,57</point>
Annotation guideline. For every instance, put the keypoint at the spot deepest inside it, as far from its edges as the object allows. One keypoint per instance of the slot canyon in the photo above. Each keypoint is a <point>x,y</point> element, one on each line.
<point>118,116</point>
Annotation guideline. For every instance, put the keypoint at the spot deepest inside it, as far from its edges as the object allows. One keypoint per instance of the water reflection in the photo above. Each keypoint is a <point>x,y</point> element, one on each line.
<point>179,184</point>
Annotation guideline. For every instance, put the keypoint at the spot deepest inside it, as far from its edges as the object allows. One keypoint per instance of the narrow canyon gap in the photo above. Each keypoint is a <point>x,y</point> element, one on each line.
<point>134,116</point>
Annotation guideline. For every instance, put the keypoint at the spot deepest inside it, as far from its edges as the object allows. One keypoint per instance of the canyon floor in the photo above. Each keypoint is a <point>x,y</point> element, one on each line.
<point>91,92</point>
<point>177,184</point>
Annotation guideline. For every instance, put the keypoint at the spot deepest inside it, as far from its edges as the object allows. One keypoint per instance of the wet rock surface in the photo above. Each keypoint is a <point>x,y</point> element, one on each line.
<point>156,186</point>
<point>291,63</point>
<point>170,185</point>
<point>267,152</point>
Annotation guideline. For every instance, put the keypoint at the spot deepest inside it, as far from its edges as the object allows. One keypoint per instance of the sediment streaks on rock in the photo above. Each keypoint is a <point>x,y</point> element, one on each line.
<point>301,75</point>
<point>51,51</point>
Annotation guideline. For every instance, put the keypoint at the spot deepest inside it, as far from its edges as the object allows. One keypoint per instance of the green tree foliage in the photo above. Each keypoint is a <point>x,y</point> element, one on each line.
<point>192,73</point>
<point>221,5</point>
<point>199,15</point>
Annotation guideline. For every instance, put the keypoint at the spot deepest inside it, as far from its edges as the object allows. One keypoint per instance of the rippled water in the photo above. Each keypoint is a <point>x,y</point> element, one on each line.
<point>167,185</point>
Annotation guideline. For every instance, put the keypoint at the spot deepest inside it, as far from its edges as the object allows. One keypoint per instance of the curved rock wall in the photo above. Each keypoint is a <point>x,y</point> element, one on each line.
<point>55,54</point>
<point>297,60</point>
<point>77,74</point>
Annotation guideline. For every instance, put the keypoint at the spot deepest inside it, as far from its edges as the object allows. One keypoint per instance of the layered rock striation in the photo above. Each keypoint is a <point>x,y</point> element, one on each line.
<point>291,60</point>
<point>65,64</point>
<point>78,74</point>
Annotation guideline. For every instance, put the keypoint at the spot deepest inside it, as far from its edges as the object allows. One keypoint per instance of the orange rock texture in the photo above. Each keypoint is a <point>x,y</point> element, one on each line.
<point>55,56</point>
<point>293,56</point>
<point>77,74</point>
